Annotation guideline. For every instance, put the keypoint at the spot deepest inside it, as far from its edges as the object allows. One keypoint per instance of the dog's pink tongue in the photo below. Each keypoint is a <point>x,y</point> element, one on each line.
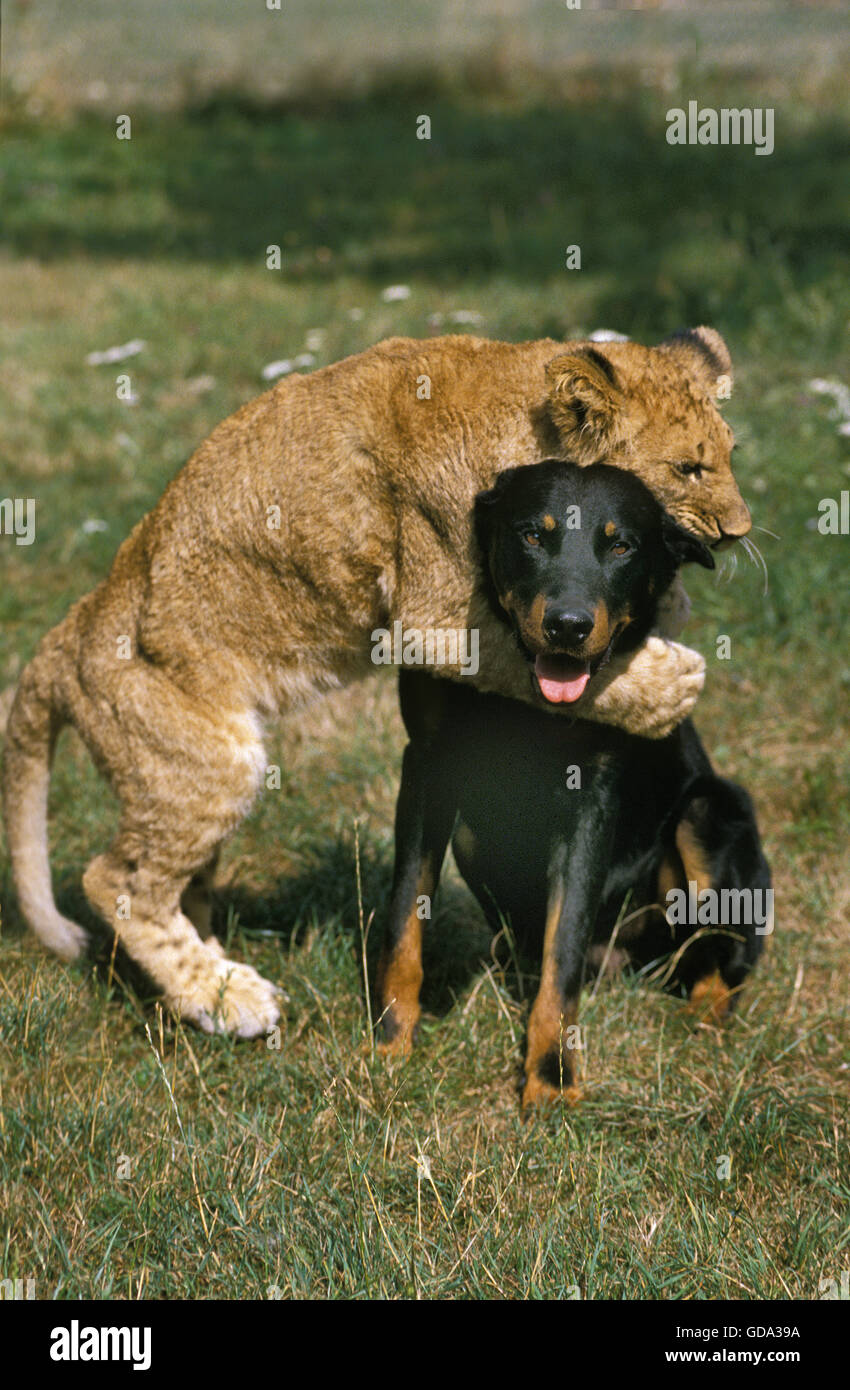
<point>560,683</point>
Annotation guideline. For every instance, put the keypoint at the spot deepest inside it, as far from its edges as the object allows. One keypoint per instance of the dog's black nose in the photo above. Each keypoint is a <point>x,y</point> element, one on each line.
<point>566,626</point>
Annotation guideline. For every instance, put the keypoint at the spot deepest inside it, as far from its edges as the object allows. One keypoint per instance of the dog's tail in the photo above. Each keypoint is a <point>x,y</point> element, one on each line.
<point>34,724</point>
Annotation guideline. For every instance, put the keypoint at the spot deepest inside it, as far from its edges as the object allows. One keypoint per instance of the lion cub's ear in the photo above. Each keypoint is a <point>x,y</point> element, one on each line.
<point>705,356</point>
<point>586,403</point>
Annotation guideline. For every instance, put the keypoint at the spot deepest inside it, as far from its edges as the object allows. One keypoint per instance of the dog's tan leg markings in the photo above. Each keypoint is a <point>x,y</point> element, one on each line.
<point>550,1072</point>
<point>400,975</point>
<point>710,998</point>
<point>695,861</point>
<point>425,817</point>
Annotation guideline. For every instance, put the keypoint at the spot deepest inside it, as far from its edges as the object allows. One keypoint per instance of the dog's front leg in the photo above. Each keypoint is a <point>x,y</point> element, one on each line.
<point>425,815</point>
<point>576,879</point>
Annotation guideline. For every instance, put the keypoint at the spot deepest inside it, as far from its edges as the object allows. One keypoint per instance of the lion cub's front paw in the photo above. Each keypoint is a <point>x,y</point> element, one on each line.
<point>659,687</point>
<point>224,996</point>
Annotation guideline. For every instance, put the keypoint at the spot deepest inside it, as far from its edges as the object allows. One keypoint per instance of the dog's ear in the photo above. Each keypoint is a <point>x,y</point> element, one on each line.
<point>704,355</point>
<point>586,404</point>
<point>487,509</point>
<point>683,546</point>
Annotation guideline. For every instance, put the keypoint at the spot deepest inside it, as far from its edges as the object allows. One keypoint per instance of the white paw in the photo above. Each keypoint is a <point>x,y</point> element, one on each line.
<point>229,997</point>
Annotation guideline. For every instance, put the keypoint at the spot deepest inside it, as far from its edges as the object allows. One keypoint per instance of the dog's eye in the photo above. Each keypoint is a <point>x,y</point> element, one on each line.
<point>690,470</point>
<point>531,537</point>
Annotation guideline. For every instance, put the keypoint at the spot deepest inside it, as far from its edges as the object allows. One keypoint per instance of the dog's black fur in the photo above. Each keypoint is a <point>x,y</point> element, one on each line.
<point>557,824</point>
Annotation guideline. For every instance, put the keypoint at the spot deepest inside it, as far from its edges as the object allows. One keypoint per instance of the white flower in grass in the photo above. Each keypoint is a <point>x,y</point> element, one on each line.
<point>286,365</point>
<point>607,335</point>
<point>395,292</point>
<point>840,394</point>
<point>92,524</point>
<point>314,340</point>
<point>276,369</point>
<point>116,354</point>
<point>199,384</point>
<point>466,316</point>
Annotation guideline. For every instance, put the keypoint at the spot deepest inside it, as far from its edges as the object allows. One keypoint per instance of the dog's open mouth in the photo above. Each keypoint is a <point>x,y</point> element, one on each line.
<point>561,679</point>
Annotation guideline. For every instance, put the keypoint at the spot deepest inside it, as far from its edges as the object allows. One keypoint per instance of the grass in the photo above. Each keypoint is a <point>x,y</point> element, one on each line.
<point>139,1159</point>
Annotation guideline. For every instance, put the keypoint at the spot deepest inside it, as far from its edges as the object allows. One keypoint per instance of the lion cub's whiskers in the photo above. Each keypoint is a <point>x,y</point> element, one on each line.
<point>755,556</point>
<point>727,567</point>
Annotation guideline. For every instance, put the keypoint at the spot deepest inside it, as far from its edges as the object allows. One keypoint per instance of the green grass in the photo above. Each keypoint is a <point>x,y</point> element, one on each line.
<point>315,1170</point>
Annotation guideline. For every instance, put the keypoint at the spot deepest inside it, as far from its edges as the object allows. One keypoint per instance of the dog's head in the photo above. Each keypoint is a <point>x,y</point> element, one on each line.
<point>577,559</point>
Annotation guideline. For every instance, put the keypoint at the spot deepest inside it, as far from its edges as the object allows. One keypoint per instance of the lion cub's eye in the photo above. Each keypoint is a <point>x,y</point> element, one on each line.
<point>532,537</point>
<point>690,470</point>
<point>620,548</point>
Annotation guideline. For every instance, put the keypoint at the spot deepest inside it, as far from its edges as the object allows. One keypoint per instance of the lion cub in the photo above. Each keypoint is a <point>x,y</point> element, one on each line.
<point>333,505</point>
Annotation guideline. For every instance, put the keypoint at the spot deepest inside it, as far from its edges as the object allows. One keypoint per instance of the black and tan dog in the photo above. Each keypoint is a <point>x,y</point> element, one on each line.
<point>557,823</point>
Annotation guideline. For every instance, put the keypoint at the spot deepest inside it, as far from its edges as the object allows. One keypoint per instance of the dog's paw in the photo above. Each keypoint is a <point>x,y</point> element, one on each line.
<point>710,999</point>
<point>396,1049</point>
<point>396,1035</point>
<point>538,1095</point>
<point>225,996</point>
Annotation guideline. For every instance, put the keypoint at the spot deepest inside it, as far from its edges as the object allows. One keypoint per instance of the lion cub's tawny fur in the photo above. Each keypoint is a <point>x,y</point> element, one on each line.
<point>332,505</point>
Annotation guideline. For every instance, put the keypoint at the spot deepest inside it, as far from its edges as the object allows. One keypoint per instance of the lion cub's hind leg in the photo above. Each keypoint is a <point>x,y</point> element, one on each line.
<point>185,778</point>
<point>140,896</point>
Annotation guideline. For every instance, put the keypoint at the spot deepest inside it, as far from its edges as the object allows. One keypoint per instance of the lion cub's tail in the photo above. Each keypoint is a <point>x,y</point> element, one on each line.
<point>34,724</point>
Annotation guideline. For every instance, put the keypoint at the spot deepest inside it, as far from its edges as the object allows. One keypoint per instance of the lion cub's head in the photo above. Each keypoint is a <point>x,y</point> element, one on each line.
<point>652,410</point>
